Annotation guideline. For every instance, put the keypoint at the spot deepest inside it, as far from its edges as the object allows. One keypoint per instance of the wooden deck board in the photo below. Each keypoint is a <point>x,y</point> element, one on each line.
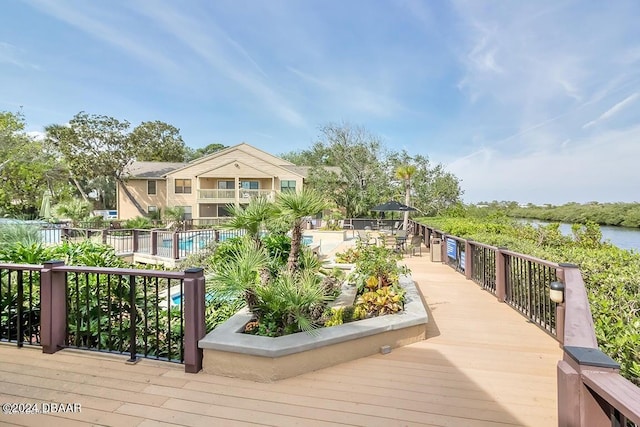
<point>483,364</point>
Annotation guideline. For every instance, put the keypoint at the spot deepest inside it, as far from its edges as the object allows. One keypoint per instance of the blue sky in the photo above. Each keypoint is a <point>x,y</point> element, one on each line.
<point>533,101</point>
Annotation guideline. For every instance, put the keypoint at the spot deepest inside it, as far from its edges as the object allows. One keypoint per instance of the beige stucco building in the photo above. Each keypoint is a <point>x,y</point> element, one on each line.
<point>205,186</point>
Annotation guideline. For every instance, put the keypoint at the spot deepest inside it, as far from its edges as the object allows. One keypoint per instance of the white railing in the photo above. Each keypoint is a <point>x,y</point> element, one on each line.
<point>245,195</point>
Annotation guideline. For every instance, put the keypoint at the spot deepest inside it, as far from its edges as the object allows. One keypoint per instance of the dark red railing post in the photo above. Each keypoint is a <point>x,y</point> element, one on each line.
<point>194,322</point>
<point>53,307</point>
<point>153,250</point>
<point>501,277</point>
<point>136,243</point>
<point>468,258</point>
<point>175,246</point>
<point>560,310</point>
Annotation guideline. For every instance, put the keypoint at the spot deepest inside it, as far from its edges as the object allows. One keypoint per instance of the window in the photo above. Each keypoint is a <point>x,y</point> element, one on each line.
<point>249,185</point>
<point>187,210</point>
<point>223,211</point>
<point>287,186</point>
<point>226,185</point>
<point>151,209</point>
<point>151,188</point>
<point>183,186</point>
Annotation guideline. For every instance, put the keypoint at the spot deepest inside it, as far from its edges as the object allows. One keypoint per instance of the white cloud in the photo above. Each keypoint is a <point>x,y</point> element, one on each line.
<point>79,16</point>
<point>599,168</point>
<point>12,55</point>
<point>613,110</point>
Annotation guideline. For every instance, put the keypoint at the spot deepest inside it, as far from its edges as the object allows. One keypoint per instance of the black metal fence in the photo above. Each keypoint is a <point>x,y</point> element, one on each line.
<point>140,313</point>
<point>483,266</point>
<point>20,304</point>
<point>135,313</point>
<point>527,289</point>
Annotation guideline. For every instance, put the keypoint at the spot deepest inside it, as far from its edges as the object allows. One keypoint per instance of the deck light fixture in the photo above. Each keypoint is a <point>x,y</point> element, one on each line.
<point>556,292</point>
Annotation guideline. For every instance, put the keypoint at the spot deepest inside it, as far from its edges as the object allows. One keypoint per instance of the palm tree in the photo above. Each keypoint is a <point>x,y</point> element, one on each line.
<point>76,210</point>
<point>405,172</point>
<point>294,207</point>
<point>250,218</point>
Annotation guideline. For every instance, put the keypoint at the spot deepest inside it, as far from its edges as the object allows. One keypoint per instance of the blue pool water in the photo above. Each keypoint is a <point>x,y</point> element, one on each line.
<point>176,299</point>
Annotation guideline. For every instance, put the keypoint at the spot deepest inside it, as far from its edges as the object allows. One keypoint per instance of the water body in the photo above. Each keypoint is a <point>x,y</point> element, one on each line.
<point>622,237</point>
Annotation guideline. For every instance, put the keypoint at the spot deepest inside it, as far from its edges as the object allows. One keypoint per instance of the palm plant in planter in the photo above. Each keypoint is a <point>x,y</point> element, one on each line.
<point>283,299</point>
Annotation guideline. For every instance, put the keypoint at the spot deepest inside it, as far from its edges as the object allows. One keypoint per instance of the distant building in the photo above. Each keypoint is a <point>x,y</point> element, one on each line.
<point>205,186</point>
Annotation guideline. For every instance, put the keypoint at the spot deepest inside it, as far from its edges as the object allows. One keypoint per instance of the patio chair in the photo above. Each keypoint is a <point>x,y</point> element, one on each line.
<point>365,237</point>
<point>415,243</point>
<point>387,241</point>
<point>344,225</point>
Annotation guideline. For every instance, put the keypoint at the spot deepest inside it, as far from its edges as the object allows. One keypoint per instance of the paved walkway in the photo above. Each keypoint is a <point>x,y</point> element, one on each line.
<point>482,365</point>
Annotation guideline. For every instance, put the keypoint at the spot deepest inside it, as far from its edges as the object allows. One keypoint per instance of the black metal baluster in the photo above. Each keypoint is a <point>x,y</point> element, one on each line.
<point>132,319</point>
<point>77,308</point>
<point>181,321</point>
<point>99,310</point>
<point>19,331</point>
<point>120,314</point>
<point>88,306</point>
<point>158,317</point>
<point>109,316</point>
<point>146,317</point>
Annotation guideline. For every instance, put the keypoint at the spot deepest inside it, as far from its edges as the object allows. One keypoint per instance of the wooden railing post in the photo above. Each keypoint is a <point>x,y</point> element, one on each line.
<point>560,310</point>
<point>53,307</point>
<point>175,246</point>
<point>443,249</point>
<point>105,232</point>
<point>153,249</point>
<point>136,243</point>
<point>194,322</point>
<point>501,276</point>
<point>468,258</point>
<point>577,405</point>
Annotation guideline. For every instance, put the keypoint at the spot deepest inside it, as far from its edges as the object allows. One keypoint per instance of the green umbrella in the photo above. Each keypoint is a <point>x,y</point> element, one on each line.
<point>45,206</point>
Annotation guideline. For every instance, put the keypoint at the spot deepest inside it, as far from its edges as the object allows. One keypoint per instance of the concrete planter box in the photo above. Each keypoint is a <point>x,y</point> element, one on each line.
<point>340,235</point>
<point>227,351</point>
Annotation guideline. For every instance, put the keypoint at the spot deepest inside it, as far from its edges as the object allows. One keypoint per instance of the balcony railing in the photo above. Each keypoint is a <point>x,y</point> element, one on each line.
<point>244,195</point>
<point>216,194</point>
<point>590,389</point>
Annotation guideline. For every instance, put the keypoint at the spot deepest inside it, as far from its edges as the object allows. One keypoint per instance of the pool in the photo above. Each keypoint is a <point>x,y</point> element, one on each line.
<point>176,299</point>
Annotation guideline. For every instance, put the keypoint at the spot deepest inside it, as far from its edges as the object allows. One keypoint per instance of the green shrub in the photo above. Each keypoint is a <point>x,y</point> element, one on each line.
<point>611,275</point>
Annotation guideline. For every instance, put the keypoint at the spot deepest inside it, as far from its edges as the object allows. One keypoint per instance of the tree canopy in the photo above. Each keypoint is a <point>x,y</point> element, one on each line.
<point>27,170</point>
<point>351,168</point>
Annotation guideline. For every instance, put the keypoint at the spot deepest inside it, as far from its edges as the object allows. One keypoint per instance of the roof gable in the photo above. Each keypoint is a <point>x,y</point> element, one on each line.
<point>251,157</point>
<point>234,168</point>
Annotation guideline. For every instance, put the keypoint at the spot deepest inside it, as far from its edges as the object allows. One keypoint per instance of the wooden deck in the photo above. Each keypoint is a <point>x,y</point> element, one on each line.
<point>482,365</point>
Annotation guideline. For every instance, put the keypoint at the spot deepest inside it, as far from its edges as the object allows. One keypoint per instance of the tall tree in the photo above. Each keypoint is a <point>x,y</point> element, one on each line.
<point>357,180</point>
<point>98,149</point>
<point>203,151</point>
<point>95,146</point>
<point>158,142</point>
<point>27,169</point>
<point>405,173</point>
<point>433,189</point>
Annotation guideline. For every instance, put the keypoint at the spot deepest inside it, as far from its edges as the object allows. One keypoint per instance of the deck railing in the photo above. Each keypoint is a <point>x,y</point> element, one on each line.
<point>20,304</point>
<point>591,392</point>
<point>141,313</point>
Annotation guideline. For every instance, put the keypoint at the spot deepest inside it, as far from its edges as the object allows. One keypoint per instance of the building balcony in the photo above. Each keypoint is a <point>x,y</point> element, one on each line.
<point>229,196</point>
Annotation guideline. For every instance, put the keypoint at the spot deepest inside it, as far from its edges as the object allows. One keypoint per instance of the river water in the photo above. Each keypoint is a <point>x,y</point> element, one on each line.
<point>622,237</point>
